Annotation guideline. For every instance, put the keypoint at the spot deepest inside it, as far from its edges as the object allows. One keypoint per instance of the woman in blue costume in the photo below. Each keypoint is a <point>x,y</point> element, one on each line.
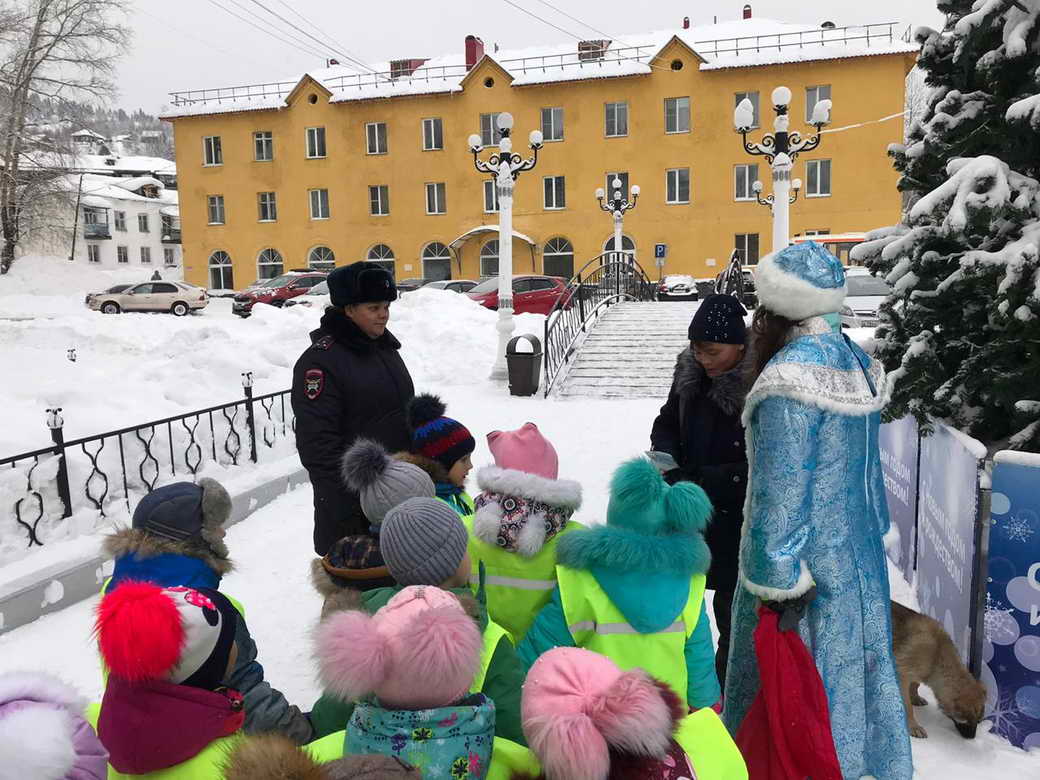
<point>816,518</point>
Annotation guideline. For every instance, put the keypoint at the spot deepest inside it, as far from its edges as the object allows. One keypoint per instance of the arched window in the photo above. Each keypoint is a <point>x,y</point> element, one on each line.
<point>383,256</point>
<point>321,258</point>
<point>489,258</point>
<point>269,264</point>
<point>436,262</point>
<point>627,244</point>
<point>558,258</point>
<point>221,274</point>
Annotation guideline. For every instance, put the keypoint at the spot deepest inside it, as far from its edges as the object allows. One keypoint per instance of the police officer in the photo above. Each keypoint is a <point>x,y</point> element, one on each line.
<point>350,383</point>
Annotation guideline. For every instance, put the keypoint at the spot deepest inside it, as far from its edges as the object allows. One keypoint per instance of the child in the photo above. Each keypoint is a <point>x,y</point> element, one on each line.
<point>443,447</point>
<point>633,589</point>
<point>273,757</point>
<point>177,539</point>
<point>521,513</point>
<point>588,720</point>
<point>424,543</point>
<point>168,652</point>
<point>43,735</point>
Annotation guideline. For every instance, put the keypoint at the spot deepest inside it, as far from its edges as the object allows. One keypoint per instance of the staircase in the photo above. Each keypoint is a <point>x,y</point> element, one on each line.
<point>631,351</point>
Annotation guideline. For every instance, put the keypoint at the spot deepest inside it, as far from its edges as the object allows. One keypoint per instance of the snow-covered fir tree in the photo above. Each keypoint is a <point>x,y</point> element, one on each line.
<point>961,332</point>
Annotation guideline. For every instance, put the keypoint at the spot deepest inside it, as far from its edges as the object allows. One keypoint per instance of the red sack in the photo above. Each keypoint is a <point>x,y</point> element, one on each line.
<point>786,735</point>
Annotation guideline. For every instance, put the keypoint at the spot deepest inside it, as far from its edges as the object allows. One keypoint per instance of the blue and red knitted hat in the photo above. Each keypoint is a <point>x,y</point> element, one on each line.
<point>435,436</point>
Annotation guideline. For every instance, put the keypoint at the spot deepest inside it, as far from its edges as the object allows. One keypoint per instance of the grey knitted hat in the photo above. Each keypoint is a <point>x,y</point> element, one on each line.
<point>423,541</point>
<point>382,482</point>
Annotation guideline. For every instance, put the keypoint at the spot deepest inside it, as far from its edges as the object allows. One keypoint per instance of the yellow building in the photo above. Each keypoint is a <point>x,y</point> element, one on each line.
<point>338,167</point>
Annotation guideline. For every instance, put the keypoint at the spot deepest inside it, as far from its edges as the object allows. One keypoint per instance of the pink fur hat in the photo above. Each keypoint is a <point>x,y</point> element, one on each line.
<point>525,449</point>
<point>578,706</point>
<point>420,651</point>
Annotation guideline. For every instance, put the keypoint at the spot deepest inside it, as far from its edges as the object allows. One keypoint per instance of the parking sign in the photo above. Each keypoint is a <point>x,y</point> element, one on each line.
<point>660,251</point>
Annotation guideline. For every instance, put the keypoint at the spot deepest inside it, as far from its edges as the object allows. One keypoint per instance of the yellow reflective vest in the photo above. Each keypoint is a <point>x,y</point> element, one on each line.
<point>710,748</point>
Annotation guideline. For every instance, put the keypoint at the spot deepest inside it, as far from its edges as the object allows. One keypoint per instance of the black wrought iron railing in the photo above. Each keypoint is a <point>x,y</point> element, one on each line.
<point>603,281</point>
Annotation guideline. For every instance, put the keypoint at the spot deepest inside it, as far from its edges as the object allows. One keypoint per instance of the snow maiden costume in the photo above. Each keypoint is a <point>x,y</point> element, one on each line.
<point>816,515</point>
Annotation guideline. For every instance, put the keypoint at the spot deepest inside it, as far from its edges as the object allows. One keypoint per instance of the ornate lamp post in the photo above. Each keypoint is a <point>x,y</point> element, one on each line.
<point>780,148</point>
<point>505,166</point>
<point>617,206</point>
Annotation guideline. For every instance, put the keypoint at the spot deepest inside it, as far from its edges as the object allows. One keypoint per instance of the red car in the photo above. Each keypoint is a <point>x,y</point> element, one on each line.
<point>277,291</point>
<point>531,294</point>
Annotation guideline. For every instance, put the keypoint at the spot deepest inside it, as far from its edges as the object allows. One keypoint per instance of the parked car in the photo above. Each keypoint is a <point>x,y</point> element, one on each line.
<point>178,298</point>
<point>455,285</point>
<point>410,285</point>
<point>316,297</point>
<point>677,287</point>
<point>866,294</point>
<point>531,294</point>
<point>275,292</point>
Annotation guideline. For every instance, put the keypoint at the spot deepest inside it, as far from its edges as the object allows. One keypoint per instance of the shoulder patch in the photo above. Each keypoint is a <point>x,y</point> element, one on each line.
<point>324,342</point>
<point>313,383</point>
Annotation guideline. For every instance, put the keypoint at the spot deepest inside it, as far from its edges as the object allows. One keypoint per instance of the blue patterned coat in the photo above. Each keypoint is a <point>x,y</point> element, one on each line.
<point>816,513</point>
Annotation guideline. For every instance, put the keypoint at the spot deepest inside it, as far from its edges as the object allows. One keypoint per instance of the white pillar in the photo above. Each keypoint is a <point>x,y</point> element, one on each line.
<point>781,201</point>
<point>618,225</point>
<point>504,184</point>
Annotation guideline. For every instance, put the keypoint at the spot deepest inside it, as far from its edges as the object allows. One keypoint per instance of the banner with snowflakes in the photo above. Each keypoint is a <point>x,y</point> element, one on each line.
<point>899,442</point>
<point>1011,648</point>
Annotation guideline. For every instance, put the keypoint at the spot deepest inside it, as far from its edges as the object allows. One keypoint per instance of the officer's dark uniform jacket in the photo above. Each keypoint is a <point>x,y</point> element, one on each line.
<point>346,385</point>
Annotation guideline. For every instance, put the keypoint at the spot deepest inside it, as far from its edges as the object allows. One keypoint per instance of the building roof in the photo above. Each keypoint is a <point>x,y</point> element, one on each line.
<point>488,229</point>
<point>96,189</point>
<point>85,133</point>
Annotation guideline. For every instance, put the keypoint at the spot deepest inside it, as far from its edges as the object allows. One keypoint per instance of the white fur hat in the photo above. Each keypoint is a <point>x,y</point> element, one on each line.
<point>801,281</point>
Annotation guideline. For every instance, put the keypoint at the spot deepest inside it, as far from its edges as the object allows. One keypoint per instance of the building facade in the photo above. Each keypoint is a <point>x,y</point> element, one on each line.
<point>337,168</point>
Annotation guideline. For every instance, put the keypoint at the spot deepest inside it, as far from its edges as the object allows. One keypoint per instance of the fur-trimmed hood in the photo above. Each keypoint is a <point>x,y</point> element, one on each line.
<point>141,544</point>
<point>437,472</point>
<point>727,391</point>
<point>520,512</point>
<point>625,551</point>
<point>274,757</point>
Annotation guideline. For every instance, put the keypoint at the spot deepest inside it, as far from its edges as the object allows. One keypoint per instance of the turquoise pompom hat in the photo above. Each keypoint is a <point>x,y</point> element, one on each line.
<point>641,501</point>
<point>801,281</point>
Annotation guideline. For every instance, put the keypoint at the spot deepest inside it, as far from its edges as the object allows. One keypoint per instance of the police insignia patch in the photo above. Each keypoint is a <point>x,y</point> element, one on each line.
<point>313,383</point>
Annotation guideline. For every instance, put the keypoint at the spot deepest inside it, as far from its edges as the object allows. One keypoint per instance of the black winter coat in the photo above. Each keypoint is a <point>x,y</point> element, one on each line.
<point>700,427</point>
<point>346,385</point>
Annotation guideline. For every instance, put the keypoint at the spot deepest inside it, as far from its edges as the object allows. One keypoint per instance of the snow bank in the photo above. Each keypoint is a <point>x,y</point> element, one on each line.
<point>39,286</point>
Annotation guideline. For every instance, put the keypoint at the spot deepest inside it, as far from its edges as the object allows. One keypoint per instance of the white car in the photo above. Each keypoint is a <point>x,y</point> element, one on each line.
<point>866,294</point>
<point>178,298</point>
<point>677,287</point>
<point>317,297</point>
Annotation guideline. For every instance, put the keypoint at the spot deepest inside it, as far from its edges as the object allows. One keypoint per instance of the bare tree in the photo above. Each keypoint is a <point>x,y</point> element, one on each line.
<point>61,50</point>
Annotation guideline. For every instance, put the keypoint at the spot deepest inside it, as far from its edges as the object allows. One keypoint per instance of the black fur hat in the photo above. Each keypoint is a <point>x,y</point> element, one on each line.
<point>361,282</point>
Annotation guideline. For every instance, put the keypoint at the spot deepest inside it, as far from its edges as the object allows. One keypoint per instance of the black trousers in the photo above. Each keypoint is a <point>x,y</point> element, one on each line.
<point>336,514</point>
<point>722,606</point>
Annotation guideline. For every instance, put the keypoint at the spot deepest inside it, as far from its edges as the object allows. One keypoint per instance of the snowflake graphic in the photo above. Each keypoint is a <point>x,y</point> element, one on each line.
<point>995,619</point>
<point>1018,528</point>
<point>1005,717</point>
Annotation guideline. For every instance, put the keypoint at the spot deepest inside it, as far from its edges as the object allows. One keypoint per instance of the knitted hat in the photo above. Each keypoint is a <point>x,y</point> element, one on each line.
<point>720,318</point>
<point>183,511</point>
<point>360,282</point>
<point>420,651</point>
<point>179,635</point>
<point>801,281</point>
<point>435,436</point>
<point>380,481</point>
<point>524,449</point>
<point>423,541</point>
<point>578,707</point>
<point>642,501</point>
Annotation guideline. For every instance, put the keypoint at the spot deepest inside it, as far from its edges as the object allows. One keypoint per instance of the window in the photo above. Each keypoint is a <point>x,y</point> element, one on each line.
<point>744,176</point>
<point>490,196</point>
<point>818,232</point>
<point>678,185</point>
<point>819,176</point>
<point>164,288</point>
<point>216,209</point>
<point>269,264</point>
<point>315,142</point>
<point>558,258</point>
<point>169,255</point>
<point>432,134</point>
<point>142,223</point>
<point>146,255</point>
<point>321,258</point>
<point>616,120</point>
<point>436,202</point>
<point>221,274</point>
<point>120,220</point>
<point>610,184</point>
<point>263,146</point>
<point>489,258</point>
<point>383,256</point>
<point>489,129</point>
<point>379,200</point>
<point>627,245</point>
<point>814,95</point>
<point>555,193</point>
<point>122,255</point>
<point>436,262</point>
<point>746,245</point>
<point>211,151</point>
<point>268,206</point>
<point>319,204</point>
<point>552,124</point>
<point>375,132</point>
<point>753,97</point>
<point>677,115</point>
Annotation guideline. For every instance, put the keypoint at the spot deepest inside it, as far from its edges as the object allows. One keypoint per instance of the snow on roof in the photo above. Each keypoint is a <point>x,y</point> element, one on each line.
<point>84,133</point>
<point>136,182</point>
<point>108,188</point>
<point>94,202</point>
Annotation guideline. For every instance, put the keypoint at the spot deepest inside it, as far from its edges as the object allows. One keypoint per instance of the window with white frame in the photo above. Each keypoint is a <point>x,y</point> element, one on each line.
<point>215,205</point>
<point>93,253</point>
<point>383,256</point>
<point>315,142</point>
<point>558,258</point>
<point>555,192</point>
<point>814,95</point>
<point>744,178</point>
<point>678,185</point>
<point>267,206</point>
<point>146,255</point>
<point>375,134</point>
<point>432,134</point>
<point>221,273</point>
<point>436,198</point>
<point>436,261</point>
<point>818,175</point>
<point>739,98</point>
<point>321,258</point>
<point>319,204</point>
<point>120,220</point>
<point>677,115</point>
<point>616,120</point>
<point>746,245</point>
<point>122,255</point>
<point>269,264</point>
<point>552,124</point>
<point>623,176</point>
<point>823,232</point>
<point>489,128</point>
<point>489,258</point>
<point>142,223</point>
<point>379,200</point>
<point>490,196</point>
<point>169,255</point>
<point>212,154</point>
<point>263,146</point>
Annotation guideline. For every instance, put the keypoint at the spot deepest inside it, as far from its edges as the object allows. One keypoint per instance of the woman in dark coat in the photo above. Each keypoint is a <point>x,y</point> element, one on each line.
<point>700,427</point>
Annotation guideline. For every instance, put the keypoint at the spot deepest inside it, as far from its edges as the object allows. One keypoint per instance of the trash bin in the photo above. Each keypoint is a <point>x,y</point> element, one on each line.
<point>525,368</point>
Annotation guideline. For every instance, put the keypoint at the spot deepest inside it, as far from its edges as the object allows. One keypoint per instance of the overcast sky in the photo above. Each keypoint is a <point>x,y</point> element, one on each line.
<point>190,44</point>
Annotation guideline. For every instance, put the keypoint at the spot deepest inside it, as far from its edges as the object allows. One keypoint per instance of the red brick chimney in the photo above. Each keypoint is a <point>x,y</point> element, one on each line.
<point>686,23</point>
<point>747,11</point>
<point>474,51</point>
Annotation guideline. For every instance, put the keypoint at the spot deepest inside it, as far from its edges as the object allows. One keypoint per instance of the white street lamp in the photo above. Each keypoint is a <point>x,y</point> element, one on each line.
<point>617,205</point>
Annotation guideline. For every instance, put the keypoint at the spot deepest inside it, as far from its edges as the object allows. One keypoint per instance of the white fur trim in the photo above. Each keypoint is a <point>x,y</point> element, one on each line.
<point>531,538</point>
<point>36,742</point>
<point>562,493</point>
<point>41,687</point>
<point>787,295</point>
<point>487,521</point>
<point>892,539</point>
<point>805,581</point>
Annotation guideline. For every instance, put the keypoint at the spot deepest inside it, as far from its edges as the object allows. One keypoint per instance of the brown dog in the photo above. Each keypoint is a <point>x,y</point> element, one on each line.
<point>925,654</point>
